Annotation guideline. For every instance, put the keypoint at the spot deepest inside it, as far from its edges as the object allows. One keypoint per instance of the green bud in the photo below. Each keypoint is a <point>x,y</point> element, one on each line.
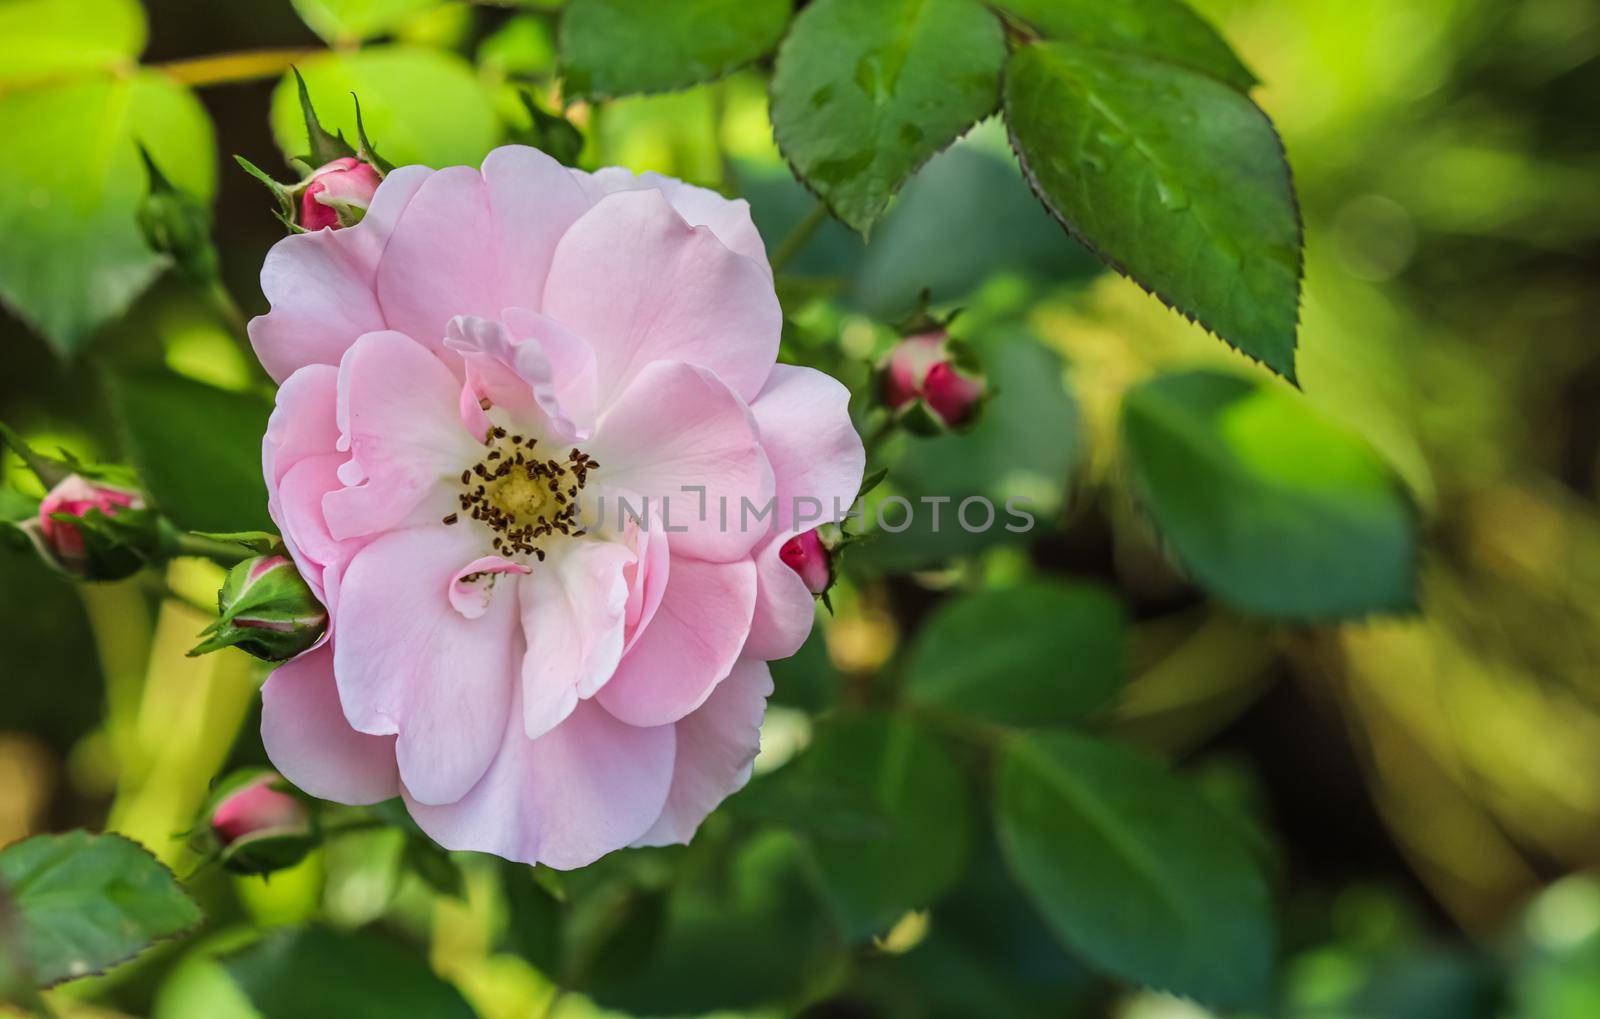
<point>265,609</point>
<point>177,224</point>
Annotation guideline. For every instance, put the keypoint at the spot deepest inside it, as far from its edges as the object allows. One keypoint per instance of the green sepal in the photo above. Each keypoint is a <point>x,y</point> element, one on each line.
<point>177,224</point>
<point>259,542</point>
<point>49,470</point>
<point>366,153</point>
<point>285,210</point>
<point>325,147</point>
<point>265,609</point>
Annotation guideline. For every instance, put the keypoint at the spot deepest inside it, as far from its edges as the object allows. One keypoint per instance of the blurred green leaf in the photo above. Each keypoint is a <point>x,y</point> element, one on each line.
<point>84,902</point>
<point>419,105</point>
<point>863,94</point>
<point>71,182</point>
<point>744,935</point>
<point>1062,657</point>
<point>348,21</point>
<point>1175,179</point>
<point>60,38</point>
<point>535,919</point>
<point>1133,869</point>
<point>923,800</point>
<point>1273,508</point>
<point>522,47</point>
<point>1168,30</point>
<point>315,973</point>
<point>197,449</point>
<point>614,48</point>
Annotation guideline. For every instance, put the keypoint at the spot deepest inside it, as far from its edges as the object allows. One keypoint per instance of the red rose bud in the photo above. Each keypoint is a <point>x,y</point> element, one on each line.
<point>258,828</point>
<point>265,609</point>
<point>337,194</point>
<point>93,530</point>
<point>808,556</point>
<point>922,374</point>
<point>254,808</point>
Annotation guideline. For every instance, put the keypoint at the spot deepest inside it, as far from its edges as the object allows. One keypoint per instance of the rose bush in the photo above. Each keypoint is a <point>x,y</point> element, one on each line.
<point>522,411</point>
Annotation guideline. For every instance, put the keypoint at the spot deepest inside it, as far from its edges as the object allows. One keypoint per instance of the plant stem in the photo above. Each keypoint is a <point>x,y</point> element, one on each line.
<point>223,553</point>
<point>798,236</point>
<point>229,68</point>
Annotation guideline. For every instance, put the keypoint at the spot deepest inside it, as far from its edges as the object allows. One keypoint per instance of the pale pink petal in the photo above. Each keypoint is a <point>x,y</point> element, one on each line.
<point>689,646</point>
<point>588,787</point>
<point>311,744</point>
<point>409,662</point>
<point>681,440</point>
<point>399,419</point>
<point>717,745</point>
<point>574,613</point>
<point>303,421</point>
<point>641,285</point>
<point>298,514</point>
<point>473,586</point>
<point>514,374</point>
<point>816,454</point>
<point>322,285</point>
<point>785,608</point>
<point>647,577</point>
<point>534,200</point>
<point>728,218</point>
<point>571,360</point>
<point>441,260</point>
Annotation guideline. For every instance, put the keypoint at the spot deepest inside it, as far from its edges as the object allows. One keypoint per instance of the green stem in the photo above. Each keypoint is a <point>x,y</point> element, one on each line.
<point>228,68</point>
<point>119,620</point>
<point>798,236</point>
<point>223,553</point>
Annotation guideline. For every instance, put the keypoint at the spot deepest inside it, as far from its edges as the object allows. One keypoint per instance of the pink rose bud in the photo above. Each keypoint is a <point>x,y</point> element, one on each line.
<point>254,808</point>
<point>337,194</point>
<point>923,368</point>
<point>77,496</point>
<point>266,609</point>
<point>808,556</point>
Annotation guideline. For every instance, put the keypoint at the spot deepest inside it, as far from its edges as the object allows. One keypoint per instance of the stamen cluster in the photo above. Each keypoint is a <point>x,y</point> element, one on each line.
<point>521,497</point>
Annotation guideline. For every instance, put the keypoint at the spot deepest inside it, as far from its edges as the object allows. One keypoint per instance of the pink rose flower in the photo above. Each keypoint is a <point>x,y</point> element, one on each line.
<point>806,555</point>
<point>76,496</point>
<point>337,194</point>
<point>473,379</point>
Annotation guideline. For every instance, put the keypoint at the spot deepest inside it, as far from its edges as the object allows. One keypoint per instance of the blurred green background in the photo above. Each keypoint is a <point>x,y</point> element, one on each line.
<point>1427,788</point>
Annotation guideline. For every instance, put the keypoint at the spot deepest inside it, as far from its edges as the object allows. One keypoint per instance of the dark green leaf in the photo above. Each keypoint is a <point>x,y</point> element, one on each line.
<point>1174,178</point>
<point>863,94</point>
<point>420,105</point>
<point>535,919</point>
<point>1040,654</point>
<point>435,867</point>
<point>84,903</point>
<point>922,798</point>
<point>71,183</point>
<point>746,935</point>
<point>1273,508</point>
<point>1166,29</point>
<point>197,448</point>
<point>612,48</point>
<point>316,973</point>
<point>1133,869</point>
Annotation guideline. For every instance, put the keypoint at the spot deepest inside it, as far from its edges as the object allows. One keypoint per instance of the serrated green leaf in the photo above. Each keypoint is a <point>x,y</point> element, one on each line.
<point>197,448</point>
<point>1134,870</point>
<point>316,973</point>
<point>84,903</point>
<point>1169,30</point>
<point>1274,509</point>
<point>863,94</point>
<point>420,105</point>
<point>1173,178</point>
<point>614,48</point>
<point>921,796</point>
<point>349,21</point>
<point>71,182</point>
<point>1063,655</point>
<point>65,38</point>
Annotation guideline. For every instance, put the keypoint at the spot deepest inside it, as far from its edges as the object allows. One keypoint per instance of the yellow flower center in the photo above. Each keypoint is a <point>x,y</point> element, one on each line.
<point>523,497</point>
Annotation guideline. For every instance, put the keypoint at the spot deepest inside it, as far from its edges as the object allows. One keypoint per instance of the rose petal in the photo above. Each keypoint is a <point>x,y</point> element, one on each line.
<point>398,415</point>
<point>322,285</point>
<point>717,745</point>
<point>690,645</point>
<point>680,442</point>
<point>728,218</point>
<point>785,608</point>
<point>816,454</point>
<point>641,285</point>
<point>473,585</point>
<point>311,744</point>
<point>574,613</point>
<point>587,787</point>
<point>408,662</point>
